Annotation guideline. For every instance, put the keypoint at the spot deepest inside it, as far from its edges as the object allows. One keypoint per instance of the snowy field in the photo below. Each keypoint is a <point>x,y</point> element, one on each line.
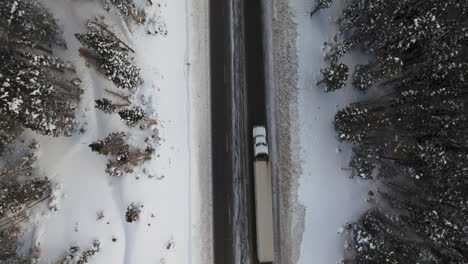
<point>173,189</point>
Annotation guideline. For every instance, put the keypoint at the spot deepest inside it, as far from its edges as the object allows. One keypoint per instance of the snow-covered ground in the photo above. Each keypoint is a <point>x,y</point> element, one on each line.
<point>316,196</point>
<point>175,190</point>
<point>331,198</point>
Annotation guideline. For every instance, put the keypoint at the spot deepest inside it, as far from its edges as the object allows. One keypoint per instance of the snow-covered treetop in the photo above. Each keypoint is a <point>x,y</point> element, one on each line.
<point>111,55</point>
<point>28,22</point>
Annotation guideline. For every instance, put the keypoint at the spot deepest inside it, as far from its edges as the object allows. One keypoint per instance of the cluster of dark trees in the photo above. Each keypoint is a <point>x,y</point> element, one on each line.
<point>76,255</point>
<point>412,141</point>
<point>127,10</point>
<point>123,157</point>
<point>130,115</point>
<point>19,192</point>
<point>111,55</point>
<point>37,92</point>
<point>114,58</point>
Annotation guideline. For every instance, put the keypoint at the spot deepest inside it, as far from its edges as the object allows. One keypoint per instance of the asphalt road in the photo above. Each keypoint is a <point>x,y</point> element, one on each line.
<point>238,103</point>
<point>256,98</point>
<point>220,45</point>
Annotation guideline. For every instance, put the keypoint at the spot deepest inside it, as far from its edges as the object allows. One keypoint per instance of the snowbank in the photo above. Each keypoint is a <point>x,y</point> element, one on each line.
<point>281,76</point>
<point>175,224</point>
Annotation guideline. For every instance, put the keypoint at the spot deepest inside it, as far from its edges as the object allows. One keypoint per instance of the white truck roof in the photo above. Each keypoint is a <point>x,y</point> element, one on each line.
<point>259,131</point>
<point>260,143</point>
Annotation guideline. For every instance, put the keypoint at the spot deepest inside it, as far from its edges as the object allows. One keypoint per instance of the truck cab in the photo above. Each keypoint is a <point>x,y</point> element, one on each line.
<point>260,143</point>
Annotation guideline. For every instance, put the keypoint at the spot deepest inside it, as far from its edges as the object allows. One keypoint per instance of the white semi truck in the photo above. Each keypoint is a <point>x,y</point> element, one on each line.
<point>263,197</point>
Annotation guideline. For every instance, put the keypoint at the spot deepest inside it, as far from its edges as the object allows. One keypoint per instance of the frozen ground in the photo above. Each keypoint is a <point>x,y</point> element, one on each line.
<point>175,225</point>
<point>315,195</point>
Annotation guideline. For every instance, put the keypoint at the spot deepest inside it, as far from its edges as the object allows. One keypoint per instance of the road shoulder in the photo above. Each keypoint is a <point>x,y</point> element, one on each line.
<point>282,96</point>
<point>200,125</point>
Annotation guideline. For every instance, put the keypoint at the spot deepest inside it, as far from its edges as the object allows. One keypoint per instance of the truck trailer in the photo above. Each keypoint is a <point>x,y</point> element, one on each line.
<point>263,197</point>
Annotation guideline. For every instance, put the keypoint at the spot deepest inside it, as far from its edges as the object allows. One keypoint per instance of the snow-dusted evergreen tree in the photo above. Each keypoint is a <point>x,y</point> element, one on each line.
<point>16,197</point>
<point>20,190</point>
<point>321,4</point>
<point>412,140</point>
<point>106,106</point>
<point>133,213</point>
<point>113,145</point>
<point>132,116</point>
<point>378,240</point>
<point>9,245</point>
<point>338,50</point>
<point>367,75</point>
<point>123,157</point>
<point>76,256</point>
<point>33,97</point>
<point>127,9</point>
<point>27,22</point>
<point>34,91</point>
<point>9,130</point>
<point>127,161</point>
<point>110,54</point>
<point>334,76</point>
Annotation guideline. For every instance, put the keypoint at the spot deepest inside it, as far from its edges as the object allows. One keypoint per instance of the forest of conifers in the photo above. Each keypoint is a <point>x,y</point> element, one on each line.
<point>411,140</point>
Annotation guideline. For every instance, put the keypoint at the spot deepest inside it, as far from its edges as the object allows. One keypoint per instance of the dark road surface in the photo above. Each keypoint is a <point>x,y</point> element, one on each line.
<point>238,103</point>
<point>221,71</point>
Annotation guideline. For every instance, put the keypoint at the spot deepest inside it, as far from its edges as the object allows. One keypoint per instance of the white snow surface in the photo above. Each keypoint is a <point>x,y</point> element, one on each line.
<point>330,196</point>
<point>180,103</point>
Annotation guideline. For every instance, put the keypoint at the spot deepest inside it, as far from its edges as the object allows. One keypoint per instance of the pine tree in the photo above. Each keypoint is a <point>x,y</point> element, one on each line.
<point>321,4</point>
<point>9,131</point>
<point>114,144</point>
<point>334,76</point>
<point>9,238</point>
<point>20,190</point>
<point>132,116</point>
<point>16,197</point>
<point>127,9</point>
<point>28,23</point>
<point>32,98</point>
<point>382,68</point>
<point>377,239</point>
<point>133,213</point>
<point>123,157</point>
<point>111,55</point>
<point>74,255</point>
<point>106,106</point>
<point>337,51</point>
